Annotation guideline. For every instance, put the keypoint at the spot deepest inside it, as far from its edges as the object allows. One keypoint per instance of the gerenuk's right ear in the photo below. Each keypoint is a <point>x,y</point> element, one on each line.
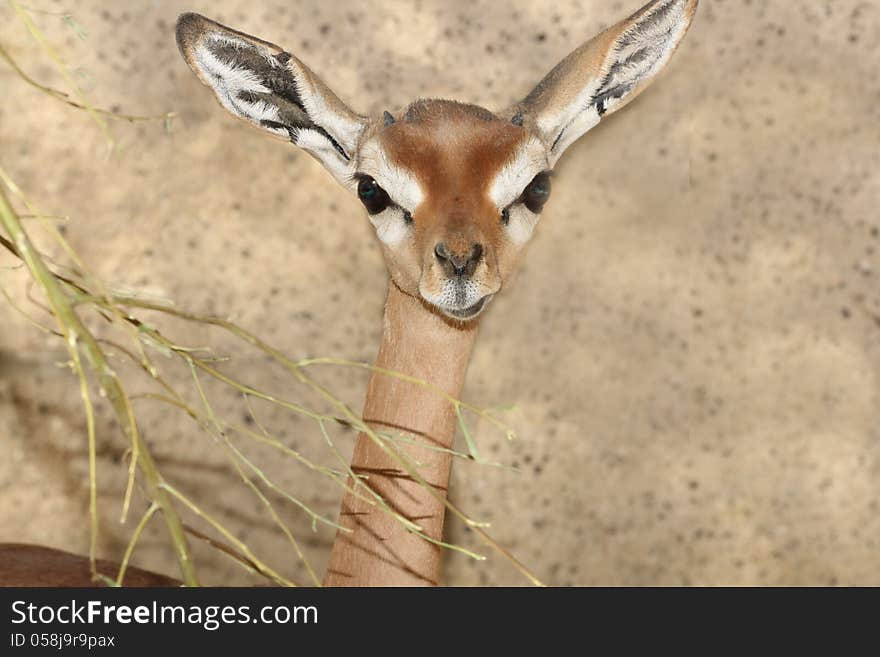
<point>261,83</point>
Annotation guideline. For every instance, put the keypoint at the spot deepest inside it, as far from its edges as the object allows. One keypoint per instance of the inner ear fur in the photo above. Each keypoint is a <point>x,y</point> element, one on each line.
<point>261,83</point>
<point>604,74</point>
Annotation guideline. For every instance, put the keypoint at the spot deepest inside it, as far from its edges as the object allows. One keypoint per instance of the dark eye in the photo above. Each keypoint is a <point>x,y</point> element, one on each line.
<point>538,191</point>
<point>374,198</point>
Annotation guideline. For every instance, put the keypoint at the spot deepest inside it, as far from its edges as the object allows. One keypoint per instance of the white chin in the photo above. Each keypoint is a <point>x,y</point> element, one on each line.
<point>468,313</point>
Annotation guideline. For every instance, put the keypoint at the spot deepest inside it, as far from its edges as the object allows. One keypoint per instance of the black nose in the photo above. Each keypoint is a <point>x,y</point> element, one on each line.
<point>458,264</point>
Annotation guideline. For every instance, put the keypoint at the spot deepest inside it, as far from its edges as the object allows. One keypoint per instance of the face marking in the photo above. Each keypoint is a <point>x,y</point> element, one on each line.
<point>521,224</point>
<point>463,299</point>
<point>391,226</point>
<point>403,187</point>
<point>528,161</point>
<point>452,152</point>
<point>453,190</point>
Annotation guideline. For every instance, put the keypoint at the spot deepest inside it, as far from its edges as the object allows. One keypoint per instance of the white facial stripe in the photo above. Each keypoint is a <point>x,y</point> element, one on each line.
<point>401,185</point>
<point>529,160</point>
<point>521,224</point>
<point>391,228</point>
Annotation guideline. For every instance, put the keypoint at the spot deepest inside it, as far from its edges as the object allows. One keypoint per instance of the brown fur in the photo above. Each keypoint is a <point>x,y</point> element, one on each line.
<point>380,551</point>
<point>454,150</point>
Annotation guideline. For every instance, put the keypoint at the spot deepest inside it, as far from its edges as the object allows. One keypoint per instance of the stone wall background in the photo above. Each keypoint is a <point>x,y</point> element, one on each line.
<point>690,345</point>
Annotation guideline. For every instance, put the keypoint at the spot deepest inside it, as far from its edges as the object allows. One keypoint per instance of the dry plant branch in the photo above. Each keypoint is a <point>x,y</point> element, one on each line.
<point>150,335</point>
<point>75,292</point>
<point>75,334</point>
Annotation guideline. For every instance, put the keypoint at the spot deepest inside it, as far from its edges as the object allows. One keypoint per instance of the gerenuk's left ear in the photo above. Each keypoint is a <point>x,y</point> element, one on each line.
<point>604,74</point>
<point>261,83</point>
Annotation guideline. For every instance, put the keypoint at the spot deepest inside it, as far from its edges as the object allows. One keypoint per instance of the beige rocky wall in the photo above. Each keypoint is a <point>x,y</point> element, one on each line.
<point>689,344</point>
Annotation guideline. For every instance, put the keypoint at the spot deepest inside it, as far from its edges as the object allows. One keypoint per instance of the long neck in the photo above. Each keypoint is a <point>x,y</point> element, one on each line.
<point>380,550</point>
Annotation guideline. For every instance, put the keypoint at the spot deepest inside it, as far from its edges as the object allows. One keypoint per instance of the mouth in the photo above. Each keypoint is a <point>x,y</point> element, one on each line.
<point>466,313</point>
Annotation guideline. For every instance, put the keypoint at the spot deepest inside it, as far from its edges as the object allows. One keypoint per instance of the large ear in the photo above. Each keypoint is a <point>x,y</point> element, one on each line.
<point>261,83</point>
<point>604,74</point>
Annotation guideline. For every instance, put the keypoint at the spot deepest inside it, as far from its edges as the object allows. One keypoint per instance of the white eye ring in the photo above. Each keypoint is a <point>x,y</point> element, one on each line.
<point>391,224</point>
<point>520,223</point>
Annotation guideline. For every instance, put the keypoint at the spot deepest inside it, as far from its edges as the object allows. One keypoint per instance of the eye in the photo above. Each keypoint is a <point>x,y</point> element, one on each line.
<point>537,192</point>
<point>374,198</point>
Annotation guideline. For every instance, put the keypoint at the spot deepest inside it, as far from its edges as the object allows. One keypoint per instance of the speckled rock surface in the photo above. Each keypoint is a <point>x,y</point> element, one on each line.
<point>690,344</point>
